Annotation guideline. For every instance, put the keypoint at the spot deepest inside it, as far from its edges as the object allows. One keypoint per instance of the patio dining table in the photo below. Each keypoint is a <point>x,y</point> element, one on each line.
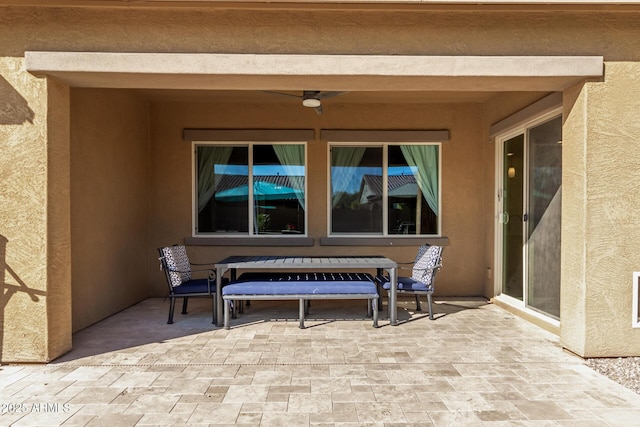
<point>288,262</point>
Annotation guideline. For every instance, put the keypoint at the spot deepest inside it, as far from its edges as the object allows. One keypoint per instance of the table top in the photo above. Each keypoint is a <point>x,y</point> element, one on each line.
<point>306,262</point>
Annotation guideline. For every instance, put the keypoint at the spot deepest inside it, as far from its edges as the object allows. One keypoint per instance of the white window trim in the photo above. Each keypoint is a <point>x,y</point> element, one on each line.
<point>249,233</point>
<point>385,216</point>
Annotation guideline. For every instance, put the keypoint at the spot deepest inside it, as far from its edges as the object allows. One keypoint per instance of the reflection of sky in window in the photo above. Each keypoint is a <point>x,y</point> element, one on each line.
<point>402,170</point>
<point>261,170</point>
<point>352,175</point>
<point>292,170</point>
<point>355,177</point>
<point>231,170</point>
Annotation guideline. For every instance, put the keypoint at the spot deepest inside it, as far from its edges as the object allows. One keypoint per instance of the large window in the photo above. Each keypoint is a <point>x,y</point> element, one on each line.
<point>250,189</point>
<point>389,189</point>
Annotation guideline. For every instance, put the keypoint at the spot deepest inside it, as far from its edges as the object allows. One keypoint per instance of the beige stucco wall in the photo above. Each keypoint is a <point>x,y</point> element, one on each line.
<point>601,213</point>
<point>410,31</point>
<point>34,213</point>
<point>109,202</point>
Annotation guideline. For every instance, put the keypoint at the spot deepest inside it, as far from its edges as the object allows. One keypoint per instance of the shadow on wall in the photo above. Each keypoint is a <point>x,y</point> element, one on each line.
<point>10,289</point>
<point>14,109</point>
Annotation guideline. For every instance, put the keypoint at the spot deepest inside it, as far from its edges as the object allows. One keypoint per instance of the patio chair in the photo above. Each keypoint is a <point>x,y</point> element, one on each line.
<point>427,263</point>
<point>177,268</point>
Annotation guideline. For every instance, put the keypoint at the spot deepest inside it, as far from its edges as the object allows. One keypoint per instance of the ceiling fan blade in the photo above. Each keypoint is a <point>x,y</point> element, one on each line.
<point>322,95</point>
<point>282,94</point>
<point>318,109</point>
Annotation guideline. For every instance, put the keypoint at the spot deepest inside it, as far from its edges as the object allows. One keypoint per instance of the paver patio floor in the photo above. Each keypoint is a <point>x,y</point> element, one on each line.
<point>476,364</point>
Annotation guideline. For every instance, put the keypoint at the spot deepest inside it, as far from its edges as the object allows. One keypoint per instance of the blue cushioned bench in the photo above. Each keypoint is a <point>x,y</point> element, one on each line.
<point>302,287</point>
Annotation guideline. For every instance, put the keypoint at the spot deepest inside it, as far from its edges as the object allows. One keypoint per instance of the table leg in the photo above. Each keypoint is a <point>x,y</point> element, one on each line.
<point>393,295</point>
<point>379,273</point>
<point>227,314</point>
<point>219,314</point>
<point>301,310</point>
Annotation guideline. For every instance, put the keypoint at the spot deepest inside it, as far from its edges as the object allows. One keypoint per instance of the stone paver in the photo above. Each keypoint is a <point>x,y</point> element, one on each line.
<point>476,365</point>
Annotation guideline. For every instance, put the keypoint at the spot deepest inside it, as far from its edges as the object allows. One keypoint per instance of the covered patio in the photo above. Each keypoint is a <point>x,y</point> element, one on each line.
<point>476,364</point>
<point>140,123</point>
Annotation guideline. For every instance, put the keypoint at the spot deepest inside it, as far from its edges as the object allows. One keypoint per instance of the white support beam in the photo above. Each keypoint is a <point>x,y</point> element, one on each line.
<point>320,72</point>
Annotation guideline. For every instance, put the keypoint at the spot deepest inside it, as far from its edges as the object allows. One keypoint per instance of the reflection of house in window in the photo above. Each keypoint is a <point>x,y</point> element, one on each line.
<point>242,194</point>
<point>276,203</point>
<point>407,209</point>
<point>361,204</point>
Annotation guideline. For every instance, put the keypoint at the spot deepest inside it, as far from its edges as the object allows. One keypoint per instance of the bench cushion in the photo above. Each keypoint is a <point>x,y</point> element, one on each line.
<point>282,284</point>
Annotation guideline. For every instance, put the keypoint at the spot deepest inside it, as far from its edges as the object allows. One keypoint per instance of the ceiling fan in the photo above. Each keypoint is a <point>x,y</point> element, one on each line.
<point>310,98</point>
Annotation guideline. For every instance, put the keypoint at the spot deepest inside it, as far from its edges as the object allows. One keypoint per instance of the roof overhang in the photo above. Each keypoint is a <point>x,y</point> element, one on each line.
<point>319,72</point>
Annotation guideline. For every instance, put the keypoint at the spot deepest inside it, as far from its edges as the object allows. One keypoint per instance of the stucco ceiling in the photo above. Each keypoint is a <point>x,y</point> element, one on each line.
<point>355,97</point>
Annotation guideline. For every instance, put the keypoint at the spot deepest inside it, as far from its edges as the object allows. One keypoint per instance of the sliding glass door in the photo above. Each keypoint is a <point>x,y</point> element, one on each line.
<point>543,216</point>
<point>512,216</point>
<point>529,193</point>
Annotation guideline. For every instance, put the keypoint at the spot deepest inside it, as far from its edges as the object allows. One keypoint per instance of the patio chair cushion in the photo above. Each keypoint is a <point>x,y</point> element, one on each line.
<point>405,284</point>
<point>178,264</point>
<point>195,286</point>
<point>427,259</point>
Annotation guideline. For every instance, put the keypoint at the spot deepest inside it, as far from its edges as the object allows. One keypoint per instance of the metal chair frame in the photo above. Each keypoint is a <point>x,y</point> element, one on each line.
<point>175,291</point>
<point>421,273</point>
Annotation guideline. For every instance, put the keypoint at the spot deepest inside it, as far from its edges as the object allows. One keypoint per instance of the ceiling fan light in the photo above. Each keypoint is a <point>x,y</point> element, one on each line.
<point>311,102</point>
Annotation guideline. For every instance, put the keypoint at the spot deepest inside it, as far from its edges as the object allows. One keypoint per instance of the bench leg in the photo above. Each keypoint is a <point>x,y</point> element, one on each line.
<point>370,310</point>
<point>213,308</point>
<point>302,310</point>
<point>374,306</point>
<point>227,313</point>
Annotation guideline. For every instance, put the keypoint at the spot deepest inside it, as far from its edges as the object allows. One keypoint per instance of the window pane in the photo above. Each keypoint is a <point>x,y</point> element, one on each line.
<point>278,189</point>
<point>543,225</point>
<point>356,190</point>
<point>223,201</point>
<point>413,189</point>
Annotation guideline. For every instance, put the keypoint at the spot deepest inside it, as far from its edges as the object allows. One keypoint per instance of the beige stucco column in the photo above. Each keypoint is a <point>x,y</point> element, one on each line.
<point>601,213</point>
<point>35,310</point>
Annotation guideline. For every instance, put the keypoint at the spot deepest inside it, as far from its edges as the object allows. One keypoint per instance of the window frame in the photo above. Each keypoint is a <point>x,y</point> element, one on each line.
<point>385,190</point>
<point>250,209</point>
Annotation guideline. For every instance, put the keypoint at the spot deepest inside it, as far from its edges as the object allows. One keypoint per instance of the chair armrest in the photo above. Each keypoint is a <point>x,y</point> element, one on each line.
<point>212,272</point>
